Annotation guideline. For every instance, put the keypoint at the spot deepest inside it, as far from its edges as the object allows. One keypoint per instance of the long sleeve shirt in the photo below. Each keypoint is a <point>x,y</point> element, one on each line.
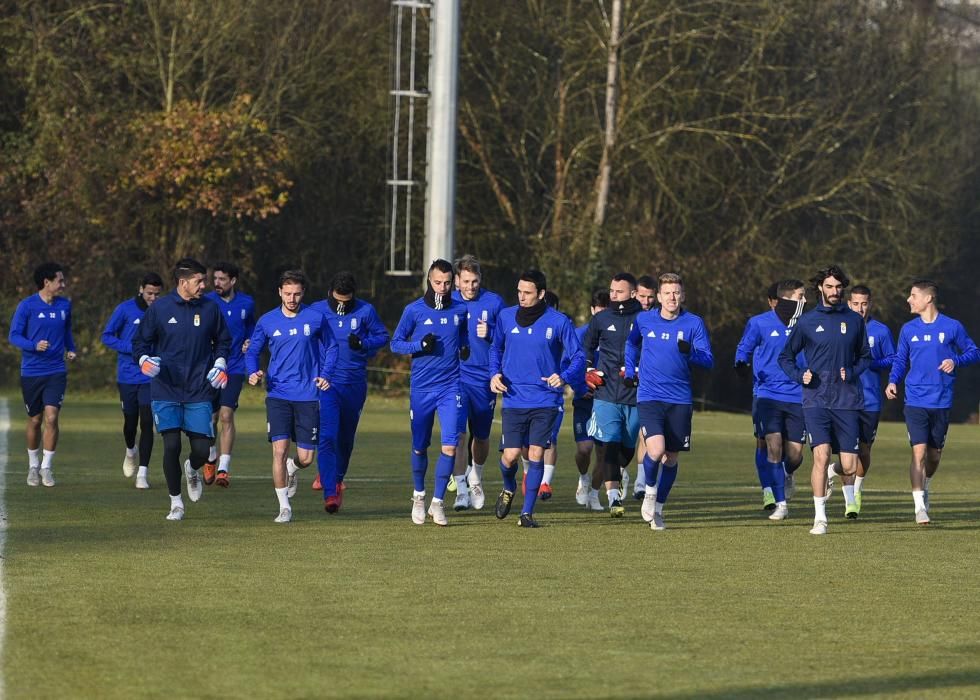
<point>35,320</point>
<point>665,372</point>
<point>363,321</point>
<point>922,347</point>
<point>882,356</point>
<point>475,370</point>
<point>439,369</point>
<point>239,315</point>
<point>763,340</point>
<point>118,335</point>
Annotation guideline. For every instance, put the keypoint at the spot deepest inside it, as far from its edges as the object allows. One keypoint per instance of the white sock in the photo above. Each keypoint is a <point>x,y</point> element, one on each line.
<point>594,493</point>
<point>650,490</point>
<point>143,471</point>
<point>418,494</point>
<point>477,472</point>
<point>858,484</point>
<point>48,455</point>
<point>820,508</point>
<point>583,480</point>
<point>224,463</point>
<point>34,458</point>
<point>212,454</point>
<point>283,496</point>
<point>176,502</point>
<point>919,498</point>
<point>549,473</point>
<point>524,464</point>
<point>291,467</point>
<point>848,494</point>
<point>612,495</point>
<point>130,451</point>
<point>461,483</point>
<point>641,478</point>
<point>436,500</point>
<point>767,491</point>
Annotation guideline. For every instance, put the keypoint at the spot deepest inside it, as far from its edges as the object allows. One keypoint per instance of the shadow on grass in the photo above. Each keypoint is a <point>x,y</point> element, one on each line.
<point>849,688</point>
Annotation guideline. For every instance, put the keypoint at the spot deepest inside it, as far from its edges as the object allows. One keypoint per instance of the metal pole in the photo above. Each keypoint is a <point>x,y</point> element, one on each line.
<point>441,167</point>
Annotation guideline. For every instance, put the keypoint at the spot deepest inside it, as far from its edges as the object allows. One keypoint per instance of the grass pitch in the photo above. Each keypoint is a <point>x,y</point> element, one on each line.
<point>106,599</point>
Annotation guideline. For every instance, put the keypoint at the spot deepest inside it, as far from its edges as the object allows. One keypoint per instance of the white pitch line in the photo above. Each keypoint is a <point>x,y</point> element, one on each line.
<point>4,429</point>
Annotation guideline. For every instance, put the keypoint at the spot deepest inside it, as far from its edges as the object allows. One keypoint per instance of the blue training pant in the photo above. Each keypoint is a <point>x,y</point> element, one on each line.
<point>340,412</point>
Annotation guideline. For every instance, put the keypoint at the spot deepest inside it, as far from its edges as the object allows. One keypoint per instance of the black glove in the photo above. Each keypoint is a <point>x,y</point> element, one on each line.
<point>428,343</point>
<point>464,353</point>
<point>742,369</point>
<point>683,346</point>
<point>354,342</point>
<point>629,382</point>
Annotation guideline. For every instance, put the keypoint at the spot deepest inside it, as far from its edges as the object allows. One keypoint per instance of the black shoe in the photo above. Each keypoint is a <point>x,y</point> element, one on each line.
<point>639,495</point>
<point>616,509</point>
<point>527,520</point>
<point>769,506</point>
<point>503,504</point>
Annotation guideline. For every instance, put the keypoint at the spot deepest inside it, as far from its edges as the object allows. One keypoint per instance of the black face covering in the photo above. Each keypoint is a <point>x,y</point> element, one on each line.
<point>789,311</point>
<point>623,308</point>
<point>434,301</point>
<point>141,303</point>
<point>339,307</point>
<point>526,315</point>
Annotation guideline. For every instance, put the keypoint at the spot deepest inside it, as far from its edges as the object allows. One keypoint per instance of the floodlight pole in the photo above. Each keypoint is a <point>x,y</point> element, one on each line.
<point>440,189</point>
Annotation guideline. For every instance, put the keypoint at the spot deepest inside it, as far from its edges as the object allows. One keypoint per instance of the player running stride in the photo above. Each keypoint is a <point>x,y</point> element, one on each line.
<point>134,386</point>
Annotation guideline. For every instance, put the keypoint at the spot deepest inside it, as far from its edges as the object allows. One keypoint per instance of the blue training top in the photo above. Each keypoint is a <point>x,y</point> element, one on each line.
<point>239,314</point>
<point>438,369</point>
<point>35,320</point>
<point>665,372</point>
<point>475,370</point>
<point>360,319</point>
<point>118,335</point>
<point>882,356</point>
<point>763,340</point>
<point>525,354</point>
<point>922,347</point>
<point>301,348</point>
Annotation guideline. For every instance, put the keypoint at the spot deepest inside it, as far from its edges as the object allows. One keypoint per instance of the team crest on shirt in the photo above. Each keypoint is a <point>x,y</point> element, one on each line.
<point>306,329</point>
<point>548,333</point>
<point>456,319</point>
<point>871,341</point>
<point>942,337</point>
<point>843,328</point>
<point>197,319</point>
<point>243,314</point>
<point>62,314</point>
<point>353,324</point>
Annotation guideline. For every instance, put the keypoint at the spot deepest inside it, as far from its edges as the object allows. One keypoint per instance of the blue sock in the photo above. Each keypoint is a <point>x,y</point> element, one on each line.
<point>762,467</point>
<point>444,470</point>
<point>778,480</point>
<point>650,470</point>
<point>667,475</point>
<point>535,473</point>
<point>510,477</point>
<point>420,464</point>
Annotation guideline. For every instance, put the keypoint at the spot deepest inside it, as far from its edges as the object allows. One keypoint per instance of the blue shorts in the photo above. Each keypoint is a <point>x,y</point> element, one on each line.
<point>39,392</point>
<point>191,417</point>
<point>672,420</point>
<point>868,427</point>
<point>614,422</point>
<point>755,419</point>
<point>581,415</point>
<point>479,403</point>
<point>132,396</point>
<point>783,417</point>
<point>927,426</point>
<point>528,426</point>
<point>298,421</point>
<point>837,427</point>
<point>423,406</point>
<point>229,395</point>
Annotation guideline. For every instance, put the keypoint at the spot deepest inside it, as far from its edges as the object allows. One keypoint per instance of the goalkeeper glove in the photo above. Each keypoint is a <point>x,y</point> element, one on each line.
<point>150,366</point>
<point>217,376</point>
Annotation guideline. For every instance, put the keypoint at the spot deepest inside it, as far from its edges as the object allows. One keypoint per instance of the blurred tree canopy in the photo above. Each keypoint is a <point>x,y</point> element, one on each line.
<point>733,141</point>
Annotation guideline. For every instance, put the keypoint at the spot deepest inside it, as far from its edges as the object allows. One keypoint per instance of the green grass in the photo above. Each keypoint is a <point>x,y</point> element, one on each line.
<point>108,600</point>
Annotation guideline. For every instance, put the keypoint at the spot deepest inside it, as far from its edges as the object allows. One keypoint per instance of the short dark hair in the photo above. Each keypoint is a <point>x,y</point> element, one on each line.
<point>646,281</point>
<point>151,279</point>
<point>861,289</point>
<point>831,271</point>
<point>292,277</point>
<point>551,299</point>
<point>468,263</point>
<point>440,265</point>
<point>927,285</point>
<point>535,277</point>
<point>787,286</point>
<point>344,283</point>
<point>46,271</point>
<point>600,298</point>
<point>772,293</point>
<point>625,277</point>
<point>230,269</point>
<point>185,268</point>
